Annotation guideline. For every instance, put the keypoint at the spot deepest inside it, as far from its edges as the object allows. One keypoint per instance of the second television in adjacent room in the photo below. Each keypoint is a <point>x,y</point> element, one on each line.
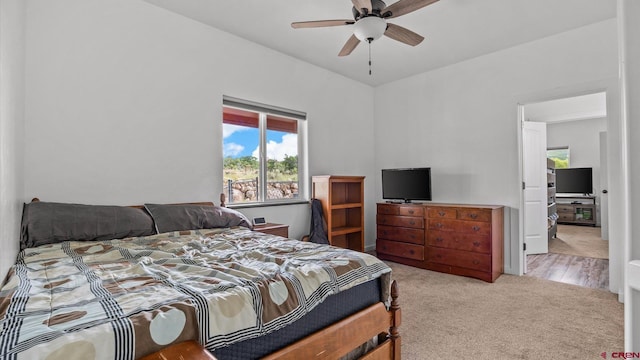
<point>574,181</point>
<point>406,184</point>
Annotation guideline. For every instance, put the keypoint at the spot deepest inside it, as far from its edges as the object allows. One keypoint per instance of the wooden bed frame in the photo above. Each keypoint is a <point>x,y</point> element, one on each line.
<point>340,338</point>
<point>332,342</point>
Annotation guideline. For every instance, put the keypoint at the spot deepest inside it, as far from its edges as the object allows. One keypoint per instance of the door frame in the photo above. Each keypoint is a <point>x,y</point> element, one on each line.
<point>618,191</point>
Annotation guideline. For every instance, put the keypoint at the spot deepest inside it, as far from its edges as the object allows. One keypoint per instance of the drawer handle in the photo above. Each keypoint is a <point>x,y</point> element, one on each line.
<point>412,236</point>
<point>473,216</point>
<point>439,239</point>
<point>475,228</point>
<point>384,232</point>
<point>441,213</point>
<point>410,211</point>
<point>476,243</point>
<point>476,262</point>
<point>412,222</point>
<point>383,220</point>
<point>412,252</point>
<point>439,256</point>
<point>439,226</point>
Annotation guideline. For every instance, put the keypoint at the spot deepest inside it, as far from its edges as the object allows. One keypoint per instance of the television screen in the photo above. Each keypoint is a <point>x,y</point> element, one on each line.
<point>406,184</point>
<point>574,181</point>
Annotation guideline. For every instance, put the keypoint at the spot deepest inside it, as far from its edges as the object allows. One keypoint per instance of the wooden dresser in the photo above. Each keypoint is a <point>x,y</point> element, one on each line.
<point>452,238</point>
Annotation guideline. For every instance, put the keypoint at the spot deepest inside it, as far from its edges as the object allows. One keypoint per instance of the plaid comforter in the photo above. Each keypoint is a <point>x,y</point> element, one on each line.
<point>123,299</point>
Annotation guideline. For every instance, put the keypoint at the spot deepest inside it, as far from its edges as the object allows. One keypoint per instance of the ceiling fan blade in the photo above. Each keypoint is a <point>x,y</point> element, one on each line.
<point>403,7</point>
<point>403,35</point>
<point>320,23</point>
<point>362,4</point>
<point>349,46</point>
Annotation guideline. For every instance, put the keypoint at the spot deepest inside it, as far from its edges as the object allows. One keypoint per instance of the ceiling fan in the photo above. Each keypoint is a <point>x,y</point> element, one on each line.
<point>370,22</point>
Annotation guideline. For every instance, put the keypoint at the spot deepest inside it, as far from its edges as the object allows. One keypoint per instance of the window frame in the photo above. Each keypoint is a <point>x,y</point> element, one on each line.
<point>263,112</point>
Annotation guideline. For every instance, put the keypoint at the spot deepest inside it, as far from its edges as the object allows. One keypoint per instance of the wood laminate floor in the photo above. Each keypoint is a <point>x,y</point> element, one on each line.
<point>569,269</point>
<point>581,260</point>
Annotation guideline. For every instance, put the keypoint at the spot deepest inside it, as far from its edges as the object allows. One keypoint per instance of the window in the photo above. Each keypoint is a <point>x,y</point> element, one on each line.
<point>559,155</point>
<point>263,150</point>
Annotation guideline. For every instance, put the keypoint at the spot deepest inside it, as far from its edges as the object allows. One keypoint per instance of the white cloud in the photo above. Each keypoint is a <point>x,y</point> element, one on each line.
<point>228,129</point>
<point>277,151</point>
<point>232,149</point>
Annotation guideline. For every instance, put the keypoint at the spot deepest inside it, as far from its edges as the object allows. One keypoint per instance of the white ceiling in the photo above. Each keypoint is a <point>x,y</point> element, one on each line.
<point>584,107</point>
<point>454,30</point>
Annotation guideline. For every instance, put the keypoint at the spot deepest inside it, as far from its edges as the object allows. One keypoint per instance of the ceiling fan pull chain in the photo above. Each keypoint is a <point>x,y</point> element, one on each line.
<point>369,41</point>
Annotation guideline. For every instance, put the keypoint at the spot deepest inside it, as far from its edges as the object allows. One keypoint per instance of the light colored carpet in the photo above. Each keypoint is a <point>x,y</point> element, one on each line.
<point>582,241</point>
<point>517,317</point>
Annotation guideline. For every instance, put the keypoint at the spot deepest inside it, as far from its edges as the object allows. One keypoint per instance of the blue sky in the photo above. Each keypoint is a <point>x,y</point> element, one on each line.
<point>239,141</point>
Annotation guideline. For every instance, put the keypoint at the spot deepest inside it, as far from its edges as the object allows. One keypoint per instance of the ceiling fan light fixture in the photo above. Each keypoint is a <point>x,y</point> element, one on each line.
<point>369,28</point>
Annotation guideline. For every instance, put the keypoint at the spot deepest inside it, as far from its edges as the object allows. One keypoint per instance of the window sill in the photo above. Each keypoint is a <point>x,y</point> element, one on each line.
<point>266,204</point>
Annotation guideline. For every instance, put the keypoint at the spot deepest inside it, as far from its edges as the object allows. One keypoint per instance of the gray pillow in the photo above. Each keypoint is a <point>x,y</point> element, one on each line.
<point>176,217</point>
<point>50,222</point>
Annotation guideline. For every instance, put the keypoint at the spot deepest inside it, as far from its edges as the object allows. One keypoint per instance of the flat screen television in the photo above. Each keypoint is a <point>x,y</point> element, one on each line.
<point>574,181</point>
<point>406,184</point>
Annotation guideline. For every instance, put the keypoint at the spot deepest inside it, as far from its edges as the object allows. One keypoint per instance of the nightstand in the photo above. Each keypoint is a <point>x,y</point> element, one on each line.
<point>273,229</point>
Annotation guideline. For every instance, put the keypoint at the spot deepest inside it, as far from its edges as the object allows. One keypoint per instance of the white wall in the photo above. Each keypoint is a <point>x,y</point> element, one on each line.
<point>12,36</point>
<point>462,119</point>
<point>583,139</point>
<point>124,107</point>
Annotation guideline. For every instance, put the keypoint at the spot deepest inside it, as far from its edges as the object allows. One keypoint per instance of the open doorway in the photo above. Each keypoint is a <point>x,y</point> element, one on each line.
<point>565,201</point>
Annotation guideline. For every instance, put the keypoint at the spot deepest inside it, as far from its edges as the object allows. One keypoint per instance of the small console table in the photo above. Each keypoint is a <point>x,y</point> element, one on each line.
<point>576,210</point>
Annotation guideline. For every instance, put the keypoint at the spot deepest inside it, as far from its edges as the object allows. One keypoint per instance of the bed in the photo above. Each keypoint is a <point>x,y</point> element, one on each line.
<point>126,282</point>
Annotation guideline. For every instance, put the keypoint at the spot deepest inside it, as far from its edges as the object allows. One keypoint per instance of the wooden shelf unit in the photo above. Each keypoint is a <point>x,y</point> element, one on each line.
<point>342,199</point>
<point>551,199</point>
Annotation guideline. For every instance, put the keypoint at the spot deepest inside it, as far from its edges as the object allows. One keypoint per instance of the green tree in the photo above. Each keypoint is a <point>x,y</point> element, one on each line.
<point>290,164</point>
<point>561,163</point>
<point>246,163</point>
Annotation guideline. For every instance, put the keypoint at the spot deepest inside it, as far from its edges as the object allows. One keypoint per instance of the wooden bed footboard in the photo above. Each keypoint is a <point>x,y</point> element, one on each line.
<point>340,338</point>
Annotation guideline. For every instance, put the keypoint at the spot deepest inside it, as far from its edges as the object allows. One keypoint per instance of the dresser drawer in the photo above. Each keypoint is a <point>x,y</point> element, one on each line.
<point>465,259</point>
<point>474,215</point>
<point>405,210</point>
<point>458,241</point>
<point>400,249</point>
<point>404,221</point>
<point>412,211</point>
<point>442,213</point>
<point>388,209</point>
<point>470,227</point>
<point>408,235</point>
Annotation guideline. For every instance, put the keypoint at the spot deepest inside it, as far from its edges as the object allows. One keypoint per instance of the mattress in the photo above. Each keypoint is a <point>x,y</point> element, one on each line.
<point>334,308</point>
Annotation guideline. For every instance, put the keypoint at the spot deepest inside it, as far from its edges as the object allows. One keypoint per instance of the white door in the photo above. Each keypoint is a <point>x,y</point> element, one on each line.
<point>534,158</point>
<point>604,186</point>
